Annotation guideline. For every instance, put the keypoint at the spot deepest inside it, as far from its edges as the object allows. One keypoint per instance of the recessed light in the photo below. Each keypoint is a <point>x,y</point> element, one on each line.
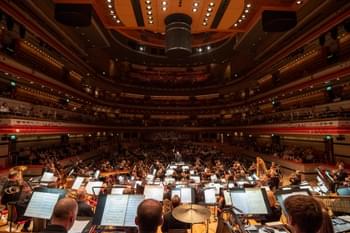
<point>194,9</point>
<point>246,11</point>
<point>148,7</point>
<point>164,8</point>
<point>243,16</point>
<point>149,12</point>
<point>114,16</point>
<point>211,4</point>
<point>200,50</point>
<point>249,5</point>
<point>148,2</point>
<point>109,6</point>
<point>208,47</point>
<point>196,4</point>
<point>164,3</point>
<point>210,9</point>
<point>150,22</point>
<point>109,1</point>
<point>206,19</point>
<point>150,17</point>
<point>299,2</point>
<point>118,21</point>
<point>112,12</point>
<point>236,25</point>
<point>239,20</point>
<point>207,14</point>
<point>205,23</point>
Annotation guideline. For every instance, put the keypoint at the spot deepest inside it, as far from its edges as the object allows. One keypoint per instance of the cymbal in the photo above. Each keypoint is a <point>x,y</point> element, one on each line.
<point>191,213</point>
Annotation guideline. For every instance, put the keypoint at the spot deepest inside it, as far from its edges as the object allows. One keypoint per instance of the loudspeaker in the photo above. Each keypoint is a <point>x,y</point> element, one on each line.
<point>278,21</point>
<point>22,31</point>
<point>178,37</point>
<point>347,25</point>
<point>9,23</point>
<point>322,39</point>
<point>73,14</point>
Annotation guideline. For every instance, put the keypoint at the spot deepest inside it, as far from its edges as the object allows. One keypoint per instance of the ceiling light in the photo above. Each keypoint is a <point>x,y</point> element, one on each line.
<point>243,16</point>
<point>236,25</point>
<point>208,47</point>
<point>149,12</point>
<point>109,6</point>
<point>150,21</point>
<point>205,23</point>
<point>164,8</point>
<point>164,3</point>
<point>211,4</point>
<point>200,50</point>
<point>114,16</point>
<point>150,17</point>
<point>148,2</point>
<point>249,5</point>
<point>112,12</point>
<point>210,9</point>
<point>194,9</point>
<point>299,2</point>
<point>206,19</point>
<point>148,7</point>
<point>109,1</point>
<point>118,21</point>
<point>196,4</point>
<point>246,10</point>
<point>207,14</point>
<point>239,20</point>
<point>142,48</point>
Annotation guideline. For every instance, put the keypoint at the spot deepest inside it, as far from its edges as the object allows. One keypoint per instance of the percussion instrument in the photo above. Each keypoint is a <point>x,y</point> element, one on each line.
<point>191,213</point>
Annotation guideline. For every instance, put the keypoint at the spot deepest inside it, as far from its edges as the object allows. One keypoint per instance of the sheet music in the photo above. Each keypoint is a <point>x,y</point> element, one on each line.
<point>41,205</point>
<point>255,201</point>
<point>284,196</point>
<point>239,201</point>
<point>209,196</point>
<point>186,195</point>
<point>77,182</point>
<point>92,184</point>
<point>176,192</point>
<point>48,177</point>
<point>78,226</point>
<point>227,197</point>
<point>155,192</point>
<point>133,203</point>
<point>114,211</point>
<point>196,179</point>
<point>117,191</point>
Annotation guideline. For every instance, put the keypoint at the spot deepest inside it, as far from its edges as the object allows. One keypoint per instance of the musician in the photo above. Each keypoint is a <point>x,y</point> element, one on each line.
<point>304,213</point>
<point>12,188</point>
<point>84,209</point>
<point>170,222</point>
<point>260,167</point>
<point>295,179</point>
<point>340,174</point>
<point>149,216</point>
<point>63,217</point>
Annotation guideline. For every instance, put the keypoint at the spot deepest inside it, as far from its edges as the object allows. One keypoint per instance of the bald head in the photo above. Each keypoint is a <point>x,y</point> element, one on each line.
<point>65,212</point>
<point>149,215</point>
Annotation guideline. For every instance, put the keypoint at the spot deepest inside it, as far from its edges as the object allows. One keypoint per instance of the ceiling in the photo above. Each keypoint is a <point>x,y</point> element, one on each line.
<point>124,44</point>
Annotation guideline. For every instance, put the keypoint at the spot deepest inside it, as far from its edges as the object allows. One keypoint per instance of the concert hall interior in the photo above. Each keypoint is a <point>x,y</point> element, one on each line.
<point>175,116</point>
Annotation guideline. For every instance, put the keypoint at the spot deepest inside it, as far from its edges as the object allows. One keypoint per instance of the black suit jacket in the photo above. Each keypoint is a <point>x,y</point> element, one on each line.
<point>54,229</point>
<point>171,223</point>
<point>84,210</point>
